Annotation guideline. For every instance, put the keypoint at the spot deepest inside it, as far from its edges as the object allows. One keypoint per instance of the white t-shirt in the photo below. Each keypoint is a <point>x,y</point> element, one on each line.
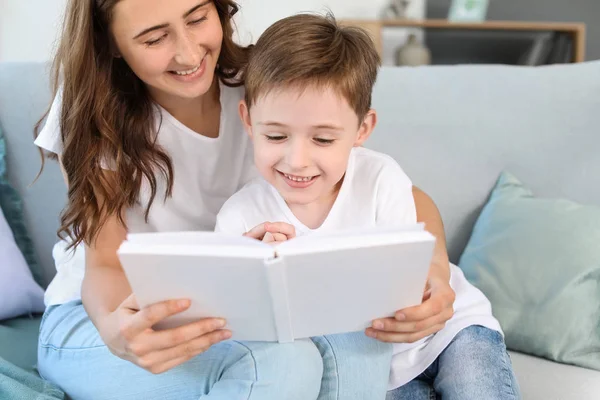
<point>207,171</point>
<point>375,192</point>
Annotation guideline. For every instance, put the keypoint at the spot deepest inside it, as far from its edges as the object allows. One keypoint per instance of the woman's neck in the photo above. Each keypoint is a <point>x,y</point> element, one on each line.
<point>201,114</point>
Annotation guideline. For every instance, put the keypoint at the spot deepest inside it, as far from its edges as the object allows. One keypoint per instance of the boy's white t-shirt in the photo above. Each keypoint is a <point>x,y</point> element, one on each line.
<point>207,171</point>
<point>375,192</point>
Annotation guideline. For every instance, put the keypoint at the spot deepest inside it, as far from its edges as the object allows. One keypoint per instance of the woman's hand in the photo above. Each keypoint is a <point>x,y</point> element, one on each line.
<point>414,323</point>
<point>129,335</point>
<point>272,232</point>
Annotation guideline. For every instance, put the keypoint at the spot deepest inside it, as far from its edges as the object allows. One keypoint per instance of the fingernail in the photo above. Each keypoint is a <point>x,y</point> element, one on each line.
<point>220,323</point>
<point>225,335</point>
<point>371,334</point>
<point>400,316</point>
<point>183,303</point>
<point>378,325</point>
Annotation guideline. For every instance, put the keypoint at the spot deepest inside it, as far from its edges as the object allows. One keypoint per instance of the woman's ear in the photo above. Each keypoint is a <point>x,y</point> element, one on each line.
<point>245,117</point>
<point>366,127</point>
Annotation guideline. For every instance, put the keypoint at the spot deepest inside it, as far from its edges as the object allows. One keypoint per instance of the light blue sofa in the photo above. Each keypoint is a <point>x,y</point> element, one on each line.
<point>453,129</point>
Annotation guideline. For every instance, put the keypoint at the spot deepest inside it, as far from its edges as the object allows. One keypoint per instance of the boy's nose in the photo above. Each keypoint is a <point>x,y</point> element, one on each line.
<point>297,156</point>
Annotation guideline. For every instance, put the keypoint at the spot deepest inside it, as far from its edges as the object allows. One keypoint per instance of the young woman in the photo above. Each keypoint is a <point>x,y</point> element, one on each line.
<point>146,128</point>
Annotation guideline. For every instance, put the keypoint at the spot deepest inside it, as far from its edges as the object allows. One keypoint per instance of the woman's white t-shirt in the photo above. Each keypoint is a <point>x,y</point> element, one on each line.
<point>207,171</point>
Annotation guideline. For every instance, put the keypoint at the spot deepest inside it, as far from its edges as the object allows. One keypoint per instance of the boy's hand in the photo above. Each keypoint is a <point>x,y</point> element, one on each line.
<point>272,232</point>
<point>414,323</point>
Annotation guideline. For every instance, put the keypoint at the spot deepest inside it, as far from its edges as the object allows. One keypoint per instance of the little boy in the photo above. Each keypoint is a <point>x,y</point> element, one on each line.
<point>307,110</point>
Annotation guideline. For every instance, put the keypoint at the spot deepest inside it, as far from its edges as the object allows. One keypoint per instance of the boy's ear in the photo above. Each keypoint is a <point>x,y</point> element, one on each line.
<point>245,117</point>
<point>366,127</point>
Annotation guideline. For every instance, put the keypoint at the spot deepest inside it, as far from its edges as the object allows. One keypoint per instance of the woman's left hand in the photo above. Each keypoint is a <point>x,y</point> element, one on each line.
<point>414,323</point>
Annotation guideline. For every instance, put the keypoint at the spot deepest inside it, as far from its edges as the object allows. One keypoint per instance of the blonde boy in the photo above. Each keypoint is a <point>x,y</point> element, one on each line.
<point>308,111</point>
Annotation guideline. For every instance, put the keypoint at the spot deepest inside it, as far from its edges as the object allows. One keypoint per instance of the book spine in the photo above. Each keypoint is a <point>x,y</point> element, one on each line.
<point>277,281</point>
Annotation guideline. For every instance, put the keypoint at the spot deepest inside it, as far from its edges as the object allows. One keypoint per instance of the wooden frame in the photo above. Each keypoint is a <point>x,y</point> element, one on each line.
<point>576,30</point>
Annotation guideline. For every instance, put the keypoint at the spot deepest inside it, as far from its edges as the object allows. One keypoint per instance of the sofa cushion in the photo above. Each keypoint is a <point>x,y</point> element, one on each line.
<point>24,96</point>
<point>19,293</point>
<point>18,341</point>
<point>538,262</point>
<point>12,206</point>
<point>541,379</point>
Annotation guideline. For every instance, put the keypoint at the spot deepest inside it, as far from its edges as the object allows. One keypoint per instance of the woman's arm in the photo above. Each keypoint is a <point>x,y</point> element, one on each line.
<point>104,284</point>
<point>414,323</point>
<point>124,328</point>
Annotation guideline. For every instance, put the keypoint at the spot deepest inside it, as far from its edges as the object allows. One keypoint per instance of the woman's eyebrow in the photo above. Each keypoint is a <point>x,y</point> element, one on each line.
<point>187,14</point>
<point>162,26</point>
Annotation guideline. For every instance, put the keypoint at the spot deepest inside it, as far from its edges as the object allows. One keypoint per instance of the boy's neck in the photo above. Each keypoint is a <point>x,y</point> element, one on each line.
<point>314,214</point>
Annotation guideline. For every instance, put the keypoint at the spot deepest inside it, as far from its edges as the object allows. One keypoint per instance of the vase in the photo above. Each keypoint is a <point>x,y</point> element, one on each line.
<point>413,53</point>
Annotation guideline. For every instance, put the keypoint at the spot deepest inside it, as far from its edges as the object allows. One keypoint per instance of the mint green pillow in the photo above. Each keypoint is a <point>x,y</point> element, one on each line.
<point>538,262</point>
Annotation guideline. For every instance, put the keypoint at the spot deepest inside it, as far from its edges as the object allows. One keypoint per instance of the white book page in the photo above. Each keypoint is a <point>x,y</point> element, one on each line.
<point>345,289</point>
<point>352,239</point>
<point>223,275</point>
<point>195,243</point>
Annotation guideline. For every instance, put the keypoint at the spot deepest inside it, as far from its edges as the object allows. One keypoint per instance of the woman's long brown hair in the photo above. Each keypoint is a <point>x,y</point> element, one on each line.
<point>107,115</point>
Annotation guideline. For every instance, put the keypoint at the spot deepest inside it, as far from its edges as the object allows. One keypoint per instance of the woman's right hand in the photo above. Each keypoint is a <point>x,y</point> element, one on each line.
<point>129,335</point>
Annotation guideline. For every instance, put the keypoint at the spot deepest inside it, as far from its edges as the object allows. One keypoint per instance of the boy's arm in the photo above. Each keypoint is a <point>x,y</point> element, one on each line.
<point>428,213</point>
<point>414,323</point>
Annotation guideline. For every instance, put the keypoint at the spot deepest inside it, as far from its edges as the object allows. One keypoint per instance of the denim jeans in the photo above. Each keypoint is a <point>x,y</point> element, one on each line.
<point>474,366</point>
<point>72,355</point>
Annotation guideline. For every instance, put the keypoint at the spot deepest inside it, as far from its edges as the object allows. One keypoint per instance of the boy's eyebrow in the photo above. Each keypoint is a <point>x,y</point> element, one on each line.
<point>320,126</point>
<point>329,127</point>
<point>162,26</point>
<point>272,123</point>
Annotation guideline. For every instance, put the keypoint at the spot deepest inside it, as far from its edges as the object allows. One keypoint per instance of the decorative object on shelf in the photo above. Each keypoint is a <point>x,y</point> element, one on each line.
<point>468,10</point>
<point>396,9</point>
<point>575,32</point>
<point>413,53</point>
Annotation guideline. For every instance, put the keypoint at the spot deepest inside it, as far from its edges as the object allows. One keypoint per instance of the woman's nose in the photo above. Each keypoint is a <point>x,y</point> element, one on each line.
<point>187,52</point>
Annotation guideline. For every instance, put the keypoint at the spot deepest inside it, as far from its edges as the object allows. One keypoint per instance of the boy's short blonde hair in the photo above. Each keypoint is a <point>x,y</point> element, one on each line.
<point>308,50</point>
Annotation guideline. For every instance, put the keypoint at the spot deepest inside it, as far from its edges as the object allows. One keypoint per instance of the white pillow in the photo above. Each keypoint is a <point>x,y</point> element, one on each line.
<point>19,293</point>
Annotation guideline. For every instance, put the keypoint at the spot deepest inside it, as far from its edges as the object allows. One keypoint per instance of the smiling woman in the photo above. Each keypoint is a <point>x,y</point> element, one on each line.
<point>170,52</point>
<point>144,120</point>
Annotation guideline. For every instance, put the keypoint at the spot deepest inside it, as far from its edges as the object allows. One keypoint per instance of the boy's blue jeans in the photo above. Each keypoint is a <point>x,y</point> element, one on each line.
<point>351,366</point>
<point>474,366</point>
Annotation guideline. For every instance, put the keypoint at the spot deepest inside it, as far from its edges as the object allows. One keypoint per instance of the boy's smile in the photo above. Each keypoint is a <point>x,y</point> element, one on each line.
<point>302,141</point>
<point>299,182</point>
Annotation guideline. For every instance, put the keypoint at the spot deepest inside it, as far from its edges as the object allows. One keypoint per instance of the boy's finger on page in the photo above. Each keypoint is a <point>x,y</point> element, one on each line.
<point>268,238</point>
<point>258,232</point>
<point>282,227</point>
<point>176,336</point>
<point>149,316</point>
<point>278,237</point>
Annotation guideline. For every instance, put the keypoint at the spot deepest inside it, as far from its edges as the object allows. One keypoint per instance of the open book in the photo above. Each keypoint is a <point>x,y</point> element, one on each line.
<point>308,286</point>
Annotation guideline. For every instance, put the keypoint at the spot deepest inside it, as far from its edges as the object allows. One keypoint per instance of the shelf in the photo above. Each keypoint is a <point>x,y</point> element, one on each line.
<point>576,30</point>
